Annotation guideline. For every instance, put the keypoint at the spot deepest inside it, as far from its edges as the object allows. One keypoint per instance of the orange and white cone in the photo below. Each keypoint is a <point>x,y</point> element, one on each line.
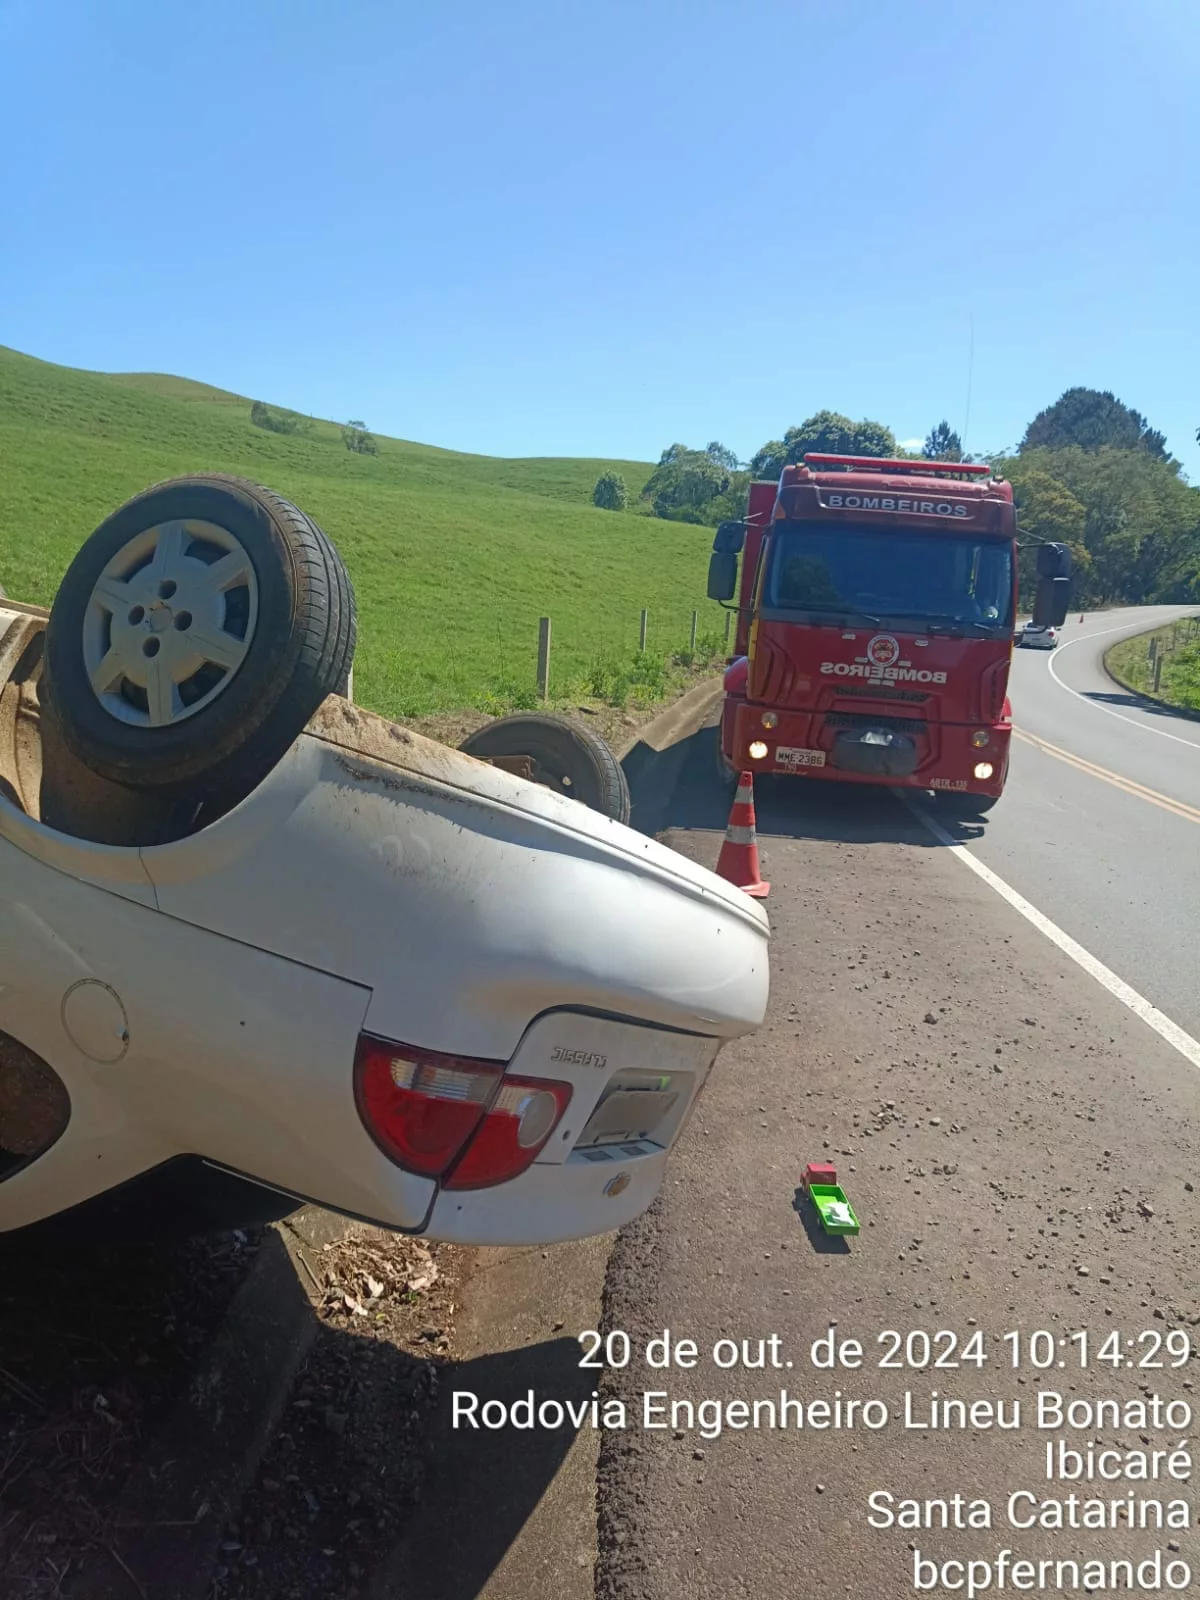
<point>738,861</point>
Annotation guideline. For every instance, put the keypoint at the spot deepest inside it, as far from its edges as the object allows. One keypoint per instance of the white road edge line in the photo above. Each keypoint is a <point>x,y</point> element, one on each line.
<point>1133,629</point>
<point>1174,1035</point>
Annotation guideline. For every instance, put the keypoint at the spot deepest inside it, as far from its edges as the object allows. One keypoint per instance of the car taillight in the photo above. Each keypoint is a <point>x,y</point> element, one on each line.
<point>451,1117</point>
<point>525,1114</point>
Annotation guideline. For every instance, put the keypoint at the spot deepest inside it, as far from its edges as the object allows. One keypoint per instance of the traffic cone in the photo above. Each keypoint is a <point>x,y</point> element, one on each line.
<point>738,861</point>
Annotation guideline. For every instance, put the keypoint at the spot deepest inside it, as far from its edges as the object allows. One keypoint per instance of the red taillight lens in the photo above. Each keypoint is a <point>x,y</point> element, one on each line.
<point>515,1129</point>
<point>420,1107</point>
<point>432,1113</point>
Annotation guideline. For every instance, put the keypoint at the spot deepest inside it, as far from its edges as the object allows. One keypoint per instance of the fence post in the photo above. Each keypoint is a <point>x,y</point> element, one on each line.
<point>728,625</point>
<point>1152,649</point>
<point>543,661</point>
<point>692,640</point>
<point>350,686</point>
<point>1158,661</point>
<point>642,631</point>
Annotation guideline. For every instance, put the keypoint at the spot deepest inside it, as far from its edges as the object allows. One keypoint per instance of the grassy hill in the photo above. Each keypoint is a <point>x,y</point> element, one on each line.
<point>454,557</point>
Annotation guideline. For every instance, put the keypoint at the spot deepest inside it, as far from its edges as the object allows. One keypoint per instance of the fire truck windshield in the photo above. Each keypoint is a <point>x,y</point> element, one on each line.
<point>893,575</point>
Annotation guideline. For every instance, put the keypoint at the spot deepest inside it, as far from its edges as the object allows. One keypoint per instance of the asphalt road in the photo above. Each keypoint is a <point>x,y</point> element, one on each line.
<point>1020,1145</point>
<point>1107,842</point>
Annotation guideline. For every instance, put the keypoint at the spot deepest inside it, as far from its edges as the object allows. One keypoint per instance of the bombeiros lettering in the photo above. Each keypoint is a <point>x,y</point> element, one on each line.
<point>883,502</point>
<point>855,669</point>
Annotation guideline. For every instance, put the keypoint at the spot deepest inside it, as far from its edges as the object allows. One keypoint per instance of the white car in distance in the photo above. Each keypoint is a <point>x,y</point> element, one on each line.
<point>259,947</point>
<point>1033,638</point>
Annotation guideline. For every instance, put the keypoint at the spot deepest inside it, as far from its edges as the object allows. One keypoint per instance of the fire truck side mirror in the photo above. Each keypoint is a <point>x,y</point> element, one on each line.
<point>722,575</point>
<point>1053,561</point>
<point>730,539</point>
<point>1050,602</point>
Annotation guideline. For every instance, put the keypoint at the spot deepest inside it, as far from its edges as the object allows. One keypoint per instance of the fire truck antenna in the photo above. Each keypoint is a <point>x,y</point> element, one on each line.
<point>970,372</point>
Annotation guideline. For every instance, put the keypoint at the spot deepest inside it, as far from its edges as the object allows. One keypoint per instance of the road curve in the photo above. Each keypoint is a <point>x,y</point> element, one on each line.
<point>1100,823</point>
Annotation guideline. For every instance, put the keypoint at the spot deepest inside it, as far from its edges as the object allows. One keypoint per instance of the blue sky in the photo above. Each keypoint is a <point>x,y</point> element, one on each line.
<point>544,228</point>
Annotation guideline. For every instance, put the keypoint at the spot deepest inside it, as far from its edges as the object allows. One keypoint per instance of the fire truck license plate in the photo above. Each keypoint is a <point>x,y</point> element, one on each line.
<point>790,757</point>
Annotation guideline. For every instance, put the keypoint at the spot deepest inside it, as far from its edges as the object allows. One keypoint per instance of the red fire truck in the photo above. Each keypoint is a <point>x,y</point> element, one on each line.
<point>875,625</point>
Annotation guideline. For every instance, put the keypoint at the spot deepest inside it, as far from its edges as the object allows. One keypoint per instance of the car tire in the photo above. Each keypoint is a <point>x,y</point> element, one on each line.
<point>566,757</point>
<point>246,606</point>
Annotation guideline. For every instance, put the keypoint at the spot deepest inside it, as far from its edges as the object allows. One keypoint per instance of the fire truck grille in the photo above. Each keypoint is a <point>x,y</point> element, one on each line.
<point>911,696</point>
<point>860,719</point>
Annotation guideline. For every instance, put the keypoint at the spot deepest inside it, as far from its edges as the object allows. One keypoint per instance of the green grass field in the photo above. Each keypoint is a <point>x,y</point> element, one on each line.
<point>453,557</point>
<point>1179,681</point>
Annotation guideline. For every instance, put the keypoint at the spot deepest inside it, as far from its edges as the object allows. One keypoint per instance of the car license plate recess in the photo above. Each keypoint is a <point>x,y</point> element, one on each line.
<point>632,1106</point>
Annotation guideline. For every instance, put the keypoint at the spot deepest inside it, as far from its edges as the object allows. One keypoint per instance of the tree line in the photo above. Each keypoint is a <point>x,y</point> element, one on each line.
<point>1089,471</point>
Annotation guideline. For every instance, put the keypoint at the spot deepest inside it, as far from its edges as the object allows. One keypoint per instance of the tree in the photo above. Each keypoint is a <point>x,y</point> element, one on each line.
<point>1141,528</point>
<point>829,433</point>
<point>770,461</point>
<point>684,485</point>
<point>1047,512</point>
<point>942,444</point>
<point>673,453</point>
<point>1092,419</point>
<point>722,455</point>
<point>824,433</point>
<point>356,438</point>
<point>610,493</point>
<point>730,504</point>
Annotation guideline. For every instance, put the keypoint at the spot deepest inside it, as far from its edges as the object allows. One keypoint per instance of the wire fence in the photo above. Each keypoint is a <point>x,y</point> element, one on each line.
<point>1165,643</point>
<point>439,658</point>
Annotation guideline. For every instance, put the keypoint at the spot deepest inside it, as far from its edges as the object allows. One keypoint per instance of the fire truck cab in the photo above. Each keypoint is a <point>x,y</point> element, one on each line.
<point>876,615</point>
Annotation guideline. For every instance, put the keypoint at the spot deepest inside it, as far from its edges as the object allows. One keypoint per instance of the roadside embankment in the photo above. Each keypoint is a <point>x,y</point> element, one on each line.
<point>1162,665</point>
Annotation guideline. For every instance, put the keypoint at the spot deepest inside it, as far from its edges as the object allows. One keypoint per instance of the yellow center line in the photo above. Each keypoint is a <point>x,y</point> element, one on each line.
<point>1137,790</point>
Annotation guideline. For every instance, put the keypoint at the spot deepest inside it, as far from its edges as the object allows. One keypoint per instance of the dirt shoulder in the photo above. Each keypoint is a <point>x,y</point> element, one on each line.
<point>96,1348</point>
<point>347,1465</point>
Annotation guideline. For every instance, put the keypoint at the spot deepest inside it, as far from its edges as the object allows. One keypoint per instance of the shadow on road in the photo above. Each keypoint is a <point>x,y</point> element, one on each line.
<point>679,788</point>
<point>482,1485</point>
<point>1134,702</point>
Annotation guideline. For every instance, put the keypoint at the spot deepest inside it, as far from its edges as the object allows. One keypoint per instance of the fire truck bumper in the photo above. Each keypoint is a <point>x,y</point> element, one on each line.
<point>962,757</point>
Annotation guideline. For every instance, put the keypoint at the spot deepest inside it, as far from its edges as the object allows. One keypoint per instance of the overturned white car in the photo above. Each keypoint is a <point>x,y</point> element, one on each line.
<point>260,947</point>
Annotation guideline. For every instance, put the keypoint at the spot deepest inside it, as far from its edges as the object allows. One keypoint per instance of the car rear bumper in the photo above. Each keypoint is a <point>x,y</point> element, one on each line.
<point>551,1205</point>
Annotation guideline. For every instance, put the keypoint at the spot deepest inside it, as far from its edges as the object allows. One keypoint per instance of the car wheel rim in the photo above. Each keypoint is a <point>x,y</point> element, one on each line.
<point>169,622</point>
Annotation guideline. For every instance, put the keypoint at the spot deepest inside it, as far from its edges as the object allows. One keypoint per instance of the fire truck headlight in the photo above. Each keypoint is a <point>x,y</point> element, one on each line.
<point>770,719</point>
<point>983,771</point>
<point>980,737</point>
<point>758,750</point>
